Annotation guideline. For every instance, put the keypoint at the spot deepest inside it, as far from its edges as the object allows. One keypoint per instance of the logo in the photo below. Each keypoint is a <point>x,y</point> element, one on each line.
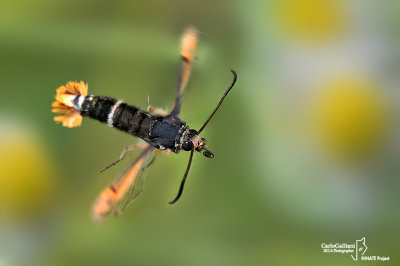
<point>356,250</point>
<point>361,247</point>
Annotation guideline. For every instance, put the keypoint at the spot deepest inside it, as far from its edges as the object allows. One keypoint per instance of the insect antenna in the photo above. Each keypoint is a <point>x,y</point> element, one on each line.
<point>183,179</point>
<point>220,101</point>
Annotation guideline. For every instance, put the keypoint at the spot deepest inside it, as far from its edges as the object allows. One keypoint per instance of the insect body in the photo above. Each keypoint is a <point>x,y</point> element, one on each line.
<point>163,132</point>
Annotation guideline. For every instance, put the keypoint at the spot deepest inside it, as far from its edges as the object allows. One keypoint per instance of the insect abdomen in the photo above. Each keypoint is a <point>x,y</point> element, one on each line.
<point>162,132</point>
<point>97,107</point>
<point>120,115</point>
<point>132,120</point>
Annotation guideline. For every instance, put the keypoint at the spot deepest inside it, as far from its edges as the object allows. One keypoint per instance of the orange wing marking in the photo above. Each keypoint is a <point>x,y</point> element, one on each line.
<point>110,197</point>
<point>188,53</point>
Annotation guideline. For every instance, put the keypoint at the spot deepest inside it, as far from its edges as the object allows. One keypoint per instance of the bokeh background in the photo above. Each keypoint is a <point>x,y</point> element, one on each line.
<point>307,144</point>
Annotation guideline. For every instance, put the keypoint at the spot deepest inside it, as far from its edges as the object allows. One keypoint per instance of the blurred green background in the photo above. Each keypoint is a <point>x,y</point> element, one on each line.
<point>306,146</point>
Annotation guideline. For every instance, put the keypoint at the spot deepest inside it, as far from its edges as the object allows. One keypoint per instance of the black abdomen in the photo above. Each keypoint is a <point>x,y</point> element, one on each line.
<point>117,114</point>
<point>132,120</point>
<point>161,132</point>
<point>97,107</point>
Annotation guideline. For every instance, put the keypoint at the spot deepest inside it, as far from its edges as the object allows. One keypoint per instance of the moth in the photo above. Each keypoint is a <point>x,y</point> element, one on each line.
<point>159,130</point>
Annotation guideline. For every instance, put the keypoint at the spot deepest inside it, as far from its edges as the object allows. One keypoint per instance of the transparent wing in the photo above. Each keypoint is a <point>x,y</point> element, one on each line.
<point>188,54</point>
<point>136,188</point>
<point>123,189</point>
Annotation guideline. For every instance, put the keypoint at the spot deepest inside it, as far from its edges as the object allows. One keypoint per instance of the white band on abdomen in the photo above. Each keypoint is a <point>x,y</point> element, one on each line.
<point>78,105</point>
<point>111,114</point>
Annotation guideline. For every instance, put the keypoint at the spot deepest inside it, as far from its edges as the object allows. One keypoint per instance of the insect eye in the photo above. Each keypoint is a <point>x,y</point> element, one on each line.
<point>187,146</point>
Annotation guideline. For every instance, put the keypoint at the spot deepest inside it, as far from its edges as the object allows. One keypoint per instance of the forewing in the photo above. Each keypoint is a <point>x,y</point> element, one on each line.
<point>136,188</point>
<point>123,189</point>
<point>188,54</point>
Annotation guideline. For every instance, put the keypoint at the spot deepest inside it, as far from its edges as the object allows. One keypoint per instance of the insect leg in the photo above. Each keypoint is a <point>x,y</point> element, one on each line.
<point>156,111</point>
<point>164,152</point>
<point>124,152</point>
